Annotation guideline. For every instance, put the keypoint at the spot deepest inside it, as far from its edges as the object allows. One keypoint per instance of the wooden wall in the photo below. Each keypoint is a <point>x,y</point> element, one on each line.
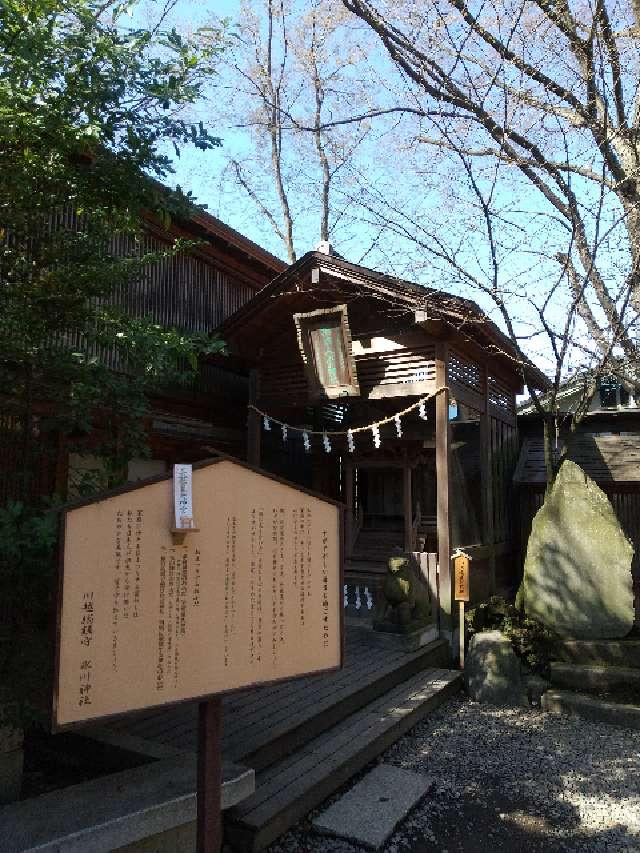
<point>194,291</point>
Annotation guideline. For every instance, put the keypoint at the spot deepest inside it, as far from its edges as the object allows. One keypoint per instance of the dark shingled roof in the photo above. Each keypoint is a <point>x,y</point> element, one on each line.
<point>461,314</point>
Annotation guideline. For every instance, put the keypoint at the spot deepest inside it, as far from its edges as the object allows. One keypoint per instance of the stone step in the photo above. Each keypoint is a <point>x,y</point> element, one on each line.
<point>591,708</point>
<point>612,652</point>
<point>153,806</point>
<point>593,676</point>
<point>287,791</point>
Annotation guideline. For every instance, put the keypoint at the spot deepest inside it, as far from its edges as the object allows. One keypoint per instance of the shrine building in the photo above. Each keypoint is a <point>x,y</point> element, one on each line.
<point>398,400</point>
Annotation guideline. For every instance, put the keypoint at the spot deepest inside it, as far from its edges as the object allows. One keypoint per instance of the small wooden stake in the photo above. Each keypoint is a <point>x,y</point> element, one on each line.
<point>461,604</point>
<point>209,776</point>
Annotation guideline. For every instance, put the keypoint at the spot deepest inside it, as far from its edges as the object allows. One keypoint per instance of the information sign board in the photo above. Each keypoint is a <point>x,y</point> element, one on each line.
<point>149,617</point>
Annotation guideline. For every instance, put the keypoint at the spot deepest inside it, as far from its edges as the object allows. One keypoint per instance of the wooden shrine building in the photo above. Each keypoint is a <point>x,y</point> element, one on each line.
<point>394,398</point>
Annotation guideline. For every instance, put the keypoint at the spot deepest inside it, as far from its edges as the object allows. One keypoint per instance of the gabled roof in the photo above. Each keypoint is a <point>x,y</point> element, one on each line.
<point>394,295</point>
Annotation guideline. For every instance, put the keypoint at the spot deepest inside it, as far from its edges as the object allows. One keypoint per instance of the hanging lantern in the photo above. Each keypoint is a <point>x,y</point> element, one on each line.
<point>326,442</point>
<point>422,409</point>
<point>375,432</point>
<point>266,423</point>
<point>285,432</point>
<point>398,426</point>
<point>306,442</point>
<point>350,442</point>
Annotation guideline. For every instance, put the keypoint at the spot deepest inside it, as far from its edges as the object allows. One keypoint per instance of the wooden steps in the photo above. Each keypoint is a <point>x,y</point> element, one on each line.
<point>295,716</point>
<point>289,789</point>
<point>375,545</point>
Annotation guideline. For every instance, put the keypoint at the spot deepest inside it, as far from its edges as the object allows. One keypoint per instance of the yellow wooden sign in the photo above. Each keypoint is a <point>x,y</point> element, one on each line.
<point>461,577</point>
<point>148,618</point>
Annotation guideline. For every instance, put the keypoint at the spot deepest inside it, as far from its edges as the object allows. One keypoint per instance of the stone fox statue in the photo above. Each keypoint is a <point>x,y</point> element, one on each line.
<point>406,602</point>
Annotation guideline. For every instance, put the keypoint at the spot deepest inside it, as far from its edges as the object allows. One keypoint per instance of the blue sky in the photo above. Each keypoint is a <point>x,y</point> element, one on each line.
<point>410,174</point>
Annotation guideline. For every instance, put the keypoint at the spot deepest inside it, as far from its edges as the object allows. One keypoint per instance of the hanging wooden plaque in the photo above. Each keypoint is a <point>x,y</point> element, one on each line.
<point>461,576</point>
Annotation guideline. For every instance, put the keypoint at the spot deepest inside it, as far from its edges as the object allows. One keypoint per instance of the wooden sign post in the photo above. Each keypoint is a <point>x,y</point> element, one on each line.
<point>153,611</point>
<point>461,592</point>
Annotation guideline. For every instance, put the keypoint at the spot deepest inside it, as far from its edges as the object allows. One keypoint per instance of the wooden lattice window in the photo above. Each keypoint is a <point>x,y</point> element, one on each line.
<point>324,339</point>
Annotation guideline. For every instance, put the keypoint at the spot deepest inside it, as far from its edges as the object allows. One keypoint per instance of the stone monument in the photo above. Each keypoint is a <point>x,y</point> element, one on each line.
<point>577,574</point>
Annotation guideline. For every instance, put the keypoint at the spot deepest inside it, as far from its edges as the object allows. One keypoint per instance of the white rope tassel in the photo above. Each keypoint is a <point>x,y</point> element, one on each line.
<point>350,442</point>
<point>375,432</point>
<point>422,410</point>
<point>398,426</point>
<point>306,442</point>
<point>285,432</point>
<point>326,442</point>
<point>266,423</point>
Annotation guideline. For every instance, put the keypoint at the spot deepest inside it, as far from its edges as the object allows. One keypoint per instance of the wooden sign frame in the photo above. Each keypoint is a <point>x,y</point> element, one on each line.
<point>308,322</point>
<point>56,725</point>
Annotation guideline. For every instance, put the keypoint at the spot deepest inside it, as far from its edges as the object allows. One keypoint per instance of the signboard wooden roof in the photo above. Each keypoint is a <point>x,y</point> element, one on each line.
<point>148,618</point>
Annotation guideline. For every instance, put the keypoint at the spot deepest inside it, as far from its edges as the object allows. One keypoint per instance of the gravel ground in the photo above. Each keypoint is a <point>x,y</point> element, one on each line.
<point>510,780</point>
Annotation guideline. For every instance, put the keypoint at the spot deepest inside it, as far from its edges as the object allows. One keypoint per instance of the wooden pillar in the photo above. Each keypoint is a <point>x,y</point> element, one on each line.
<point>209,795</point>
<point>407,504</point>
<point>486,468</point>
<point>443,486</point>
<point>254,426</point>
<point>348,519</point>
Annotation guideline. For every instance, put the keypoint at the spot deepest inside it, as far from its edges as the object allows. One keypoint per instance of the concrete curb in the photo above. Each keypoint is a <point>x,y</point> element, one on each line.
<point>116,810</point>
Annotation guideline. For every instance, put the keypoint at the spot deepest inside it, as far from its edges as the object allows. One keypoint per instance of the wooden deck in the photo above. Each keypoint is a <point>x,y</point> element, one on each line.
<point>306,737</point>
<point>265,723</point>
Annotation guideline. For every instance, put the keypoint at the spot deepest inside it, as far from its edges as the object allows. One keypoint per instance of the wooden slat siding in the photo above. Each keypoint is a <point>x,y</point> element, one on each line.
<point>283,381</point>
<point>504,452</point>
<point>626,505</point>
<point>463,371</point>
<point>604,458</point>
<point>288,381</point>
<point>501,401</point>
<point>187,291</point>
<point>413,364</point>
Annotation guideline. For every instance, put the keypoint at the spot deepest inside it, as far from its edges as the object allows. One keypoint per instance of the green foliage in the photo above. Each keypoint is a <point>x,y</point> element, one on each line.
<point>532,641</point>
<point>88,104</point>
<point>89,107</point>
<point>28,545</point>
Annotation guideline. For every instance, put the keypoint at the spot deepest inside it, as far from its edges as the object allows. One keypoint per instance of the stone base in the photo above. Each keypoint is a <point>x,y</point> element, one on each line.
<point>591,708</point>
<point>410,641</point>
<point>492,671</point>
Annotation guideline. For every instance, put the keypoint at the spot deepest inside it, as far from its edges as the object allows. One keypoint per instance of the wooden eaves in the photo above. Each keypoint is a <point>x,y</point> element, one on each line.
<point>444,315</point>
